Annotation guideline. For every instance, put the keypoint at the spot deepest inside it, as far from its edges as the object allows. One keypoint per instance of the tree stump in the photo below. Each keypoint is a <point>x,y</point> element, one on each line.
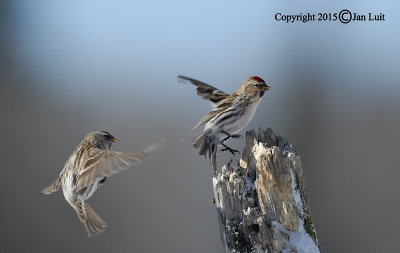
<point>262,201</point>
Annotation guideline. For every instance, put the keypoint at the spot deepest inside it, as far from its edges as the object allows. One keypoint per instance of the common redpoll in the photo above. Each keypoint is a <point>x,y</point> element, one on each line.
<point>87,168</point>
<point>231,114</point>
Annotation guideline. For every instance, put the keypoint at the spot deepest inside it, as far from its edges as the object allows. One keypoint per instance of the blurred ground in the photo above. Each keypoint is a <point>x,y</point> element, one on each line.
<point>69,68</point>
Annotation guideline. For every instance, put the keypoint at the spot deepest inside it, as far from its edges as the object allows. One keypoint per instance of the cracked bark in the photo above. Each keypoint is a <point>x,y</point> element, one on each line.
<point>262,202</point>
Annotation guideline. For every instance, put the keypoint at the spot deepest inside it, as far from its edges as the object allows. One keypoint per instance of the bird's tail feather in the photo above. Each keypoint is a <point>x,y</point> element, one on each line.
<point>53,187</point>
<point>90,219</point>
<point>207,143</point>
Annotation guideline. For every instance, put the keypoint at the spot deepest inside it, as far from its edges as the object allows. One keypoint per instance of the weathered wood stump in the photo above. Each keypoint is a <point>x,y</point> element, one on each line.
<point>262,201</point>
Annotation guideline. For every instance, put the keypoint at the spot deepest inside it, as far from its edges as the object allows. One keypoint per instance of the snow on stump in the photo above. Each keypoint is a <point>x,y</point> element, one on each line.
<point>262,203</point>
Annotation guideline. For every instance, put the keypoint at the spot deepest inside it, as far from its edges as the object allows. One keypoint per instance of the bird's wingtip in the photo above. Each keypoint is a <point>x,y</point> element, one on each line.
<point>155,146</point>
<point>182,78</point>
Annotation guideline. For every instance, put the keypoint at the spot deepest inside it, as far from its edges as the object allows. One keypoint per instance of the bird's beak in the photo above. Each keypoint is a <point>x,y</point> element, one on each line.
<point>266,87</point>
<point>113,139</point>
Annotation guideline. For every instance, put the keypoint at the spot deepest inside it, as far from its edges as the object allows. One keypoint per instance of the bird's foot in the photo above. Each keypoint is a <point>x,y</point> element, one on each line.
<point>231,150</point>
<point>234,136</point>
<point>103,180</point>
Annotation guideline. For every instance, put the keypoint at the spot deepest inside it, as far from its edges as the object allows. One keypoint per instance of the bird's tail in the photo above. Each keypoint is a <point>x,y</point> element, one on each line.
<point>207,143</point>
<point>90,219</point>
<point>53,187</point>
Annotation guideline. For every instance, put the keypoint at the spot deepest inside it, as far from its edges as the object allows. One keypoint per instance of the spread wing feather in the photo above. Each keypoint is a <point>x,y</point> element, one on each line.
<point>207,91</point>
<point>105,163</point>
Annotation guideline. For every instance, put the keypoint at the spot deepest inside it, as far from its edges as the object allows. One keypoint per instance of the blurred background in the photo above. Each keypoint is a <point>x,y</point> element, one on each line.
<point>70,67</point>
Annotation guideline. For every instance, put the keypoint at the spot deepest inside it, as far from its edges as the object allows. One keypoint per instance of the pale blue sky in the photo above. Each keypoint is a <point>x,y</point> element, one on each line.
<point>91,44</point>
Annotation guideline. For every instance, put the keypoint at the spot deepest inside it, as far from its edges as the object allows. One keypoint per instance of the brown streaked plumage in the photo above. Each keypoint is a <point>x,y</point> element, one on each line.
<point>231,114</point>
<point>87,168</point>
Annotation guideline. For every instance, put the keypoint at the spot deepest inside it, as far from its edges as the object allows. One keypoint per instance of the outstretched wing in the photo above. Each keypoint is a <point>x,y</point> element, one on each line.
<point>105,163</point>
<point>207,91</point>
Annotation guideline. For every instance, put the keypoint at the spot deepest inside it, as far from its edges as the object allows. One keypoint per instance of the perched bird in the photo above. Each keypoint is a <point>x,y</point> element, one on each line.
<point>87,168</point>
<point>231,114</point>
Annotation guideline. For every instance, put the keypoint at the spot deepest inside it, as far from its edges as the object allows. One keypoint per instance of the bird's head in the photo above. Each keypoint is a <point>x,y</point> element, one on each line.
<point>254,86</point>
<point>100,139</point>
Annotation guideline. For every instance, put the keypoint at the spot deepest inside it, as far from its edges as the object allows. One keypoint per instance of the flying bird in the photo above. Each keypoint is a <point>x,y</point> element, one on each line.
<point>231,113</point>
<point>88,167</point>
